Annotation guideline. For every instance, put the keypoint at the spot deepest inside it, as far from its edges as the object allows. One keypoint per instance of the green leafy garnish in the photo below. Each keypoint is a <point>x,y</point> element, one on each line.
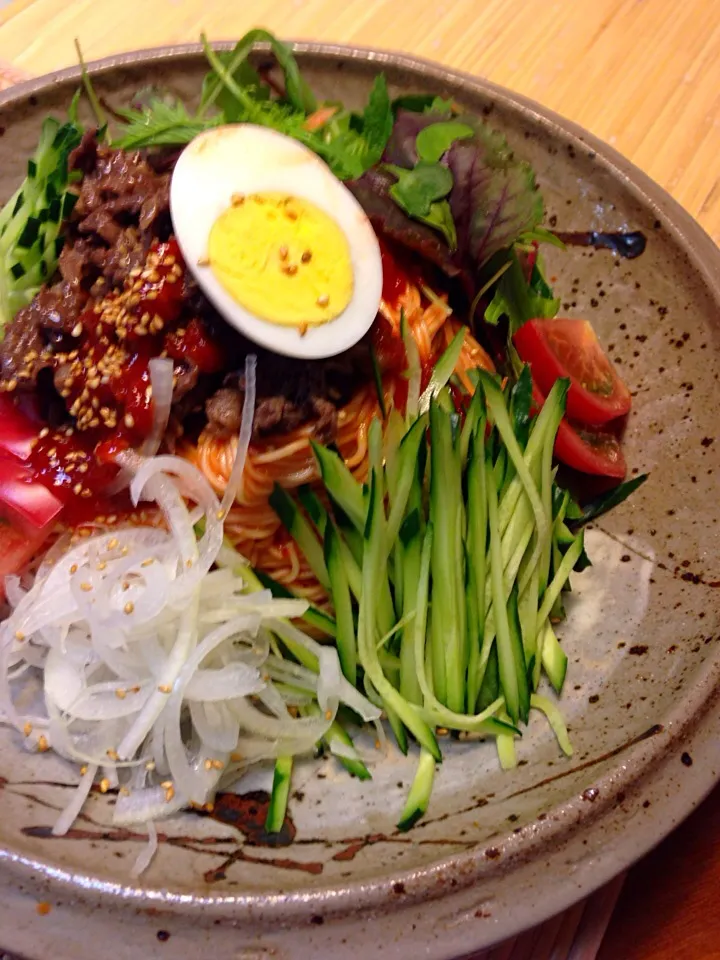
<point>420,192</point>
<point>161,124</point>
<point>435,140</point>
<point>518,300</point>
<point>578,516</point>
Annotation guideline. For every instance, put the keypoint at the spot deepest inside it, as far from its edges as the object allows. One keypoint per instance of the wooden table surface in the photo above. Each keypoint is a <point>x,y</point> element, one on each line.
<point>643,75</point>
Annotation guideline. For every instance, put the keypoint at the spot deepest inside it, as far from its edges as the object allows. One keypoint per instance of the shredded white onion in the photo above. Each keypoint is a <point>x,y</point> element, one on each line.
<point>246,425</point>
<point>161,382</point>
<point>158,670</point>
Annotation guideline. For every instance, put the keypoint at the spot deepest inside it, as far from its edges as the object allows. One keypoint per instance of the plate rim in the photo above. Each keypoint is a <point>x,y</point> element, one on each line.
<point>431,882</point>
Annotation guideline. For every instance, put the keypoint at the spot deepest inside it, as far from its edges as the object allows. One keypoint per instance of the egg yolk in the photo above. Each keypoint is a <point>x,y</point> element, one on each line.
<point>283,259</point>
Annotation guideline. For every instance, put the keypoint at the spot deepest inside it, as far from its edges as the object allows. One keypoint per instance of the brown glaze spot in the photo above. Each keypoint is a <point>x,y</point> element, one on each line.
<point>492,853</point>
<point>638,649</point>
<point>247,813</point>
<point>399,888</point>
<point>591,794</point>
<point>686,760</point>
<point>163,936</point>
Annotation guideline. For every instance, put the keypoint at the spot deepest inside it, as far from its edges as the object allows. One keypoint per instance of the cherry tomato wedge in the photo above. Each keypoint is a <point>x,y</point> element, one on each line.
<point>16,549</point>
<point>585,449</point>
<point>569,348</point>
<point>25,502</point>
<point>17,431</point>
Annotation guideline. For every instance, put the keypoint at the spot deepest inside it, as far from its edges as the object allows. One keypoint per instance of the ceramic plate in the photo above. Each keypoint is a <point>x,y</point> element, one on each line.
<point>497,851</point>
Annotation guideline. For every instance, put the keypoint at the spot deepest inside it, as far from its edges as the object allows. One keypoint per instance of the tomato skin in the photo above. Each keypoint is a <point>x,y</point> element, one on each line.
<point>26,503</point>
<point>16,550</point>
<point>569,348</point>
<point>590,451</point>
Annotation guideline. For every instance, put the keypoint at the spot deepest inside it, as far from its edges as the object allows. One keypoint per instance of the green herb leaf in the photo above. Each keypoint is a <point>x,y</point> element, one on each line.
<point>299,94</point>
<point>435,140</point>
<point>161,124</point>
<point>516,299</point>
<point>377,120</point>
<point>577,516</point>
<point>417,189</point>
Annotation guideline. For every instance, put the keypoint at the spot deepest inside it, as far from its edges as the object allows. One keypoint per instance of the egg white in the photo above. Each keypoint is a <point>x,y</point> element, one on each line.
<point>247,159</point>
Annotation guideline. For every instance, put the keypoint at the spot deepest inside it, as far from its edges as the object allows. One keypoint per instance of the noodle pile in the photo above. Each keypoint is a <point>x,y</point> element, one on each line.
<point>252,525</point>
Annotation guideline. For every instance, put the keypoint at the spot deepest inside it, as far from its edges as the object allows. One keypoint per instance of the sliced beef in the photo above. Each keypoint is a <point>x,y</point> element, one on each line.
<point>224,409</point>
<point>45,323</point>
<point>290,393</point>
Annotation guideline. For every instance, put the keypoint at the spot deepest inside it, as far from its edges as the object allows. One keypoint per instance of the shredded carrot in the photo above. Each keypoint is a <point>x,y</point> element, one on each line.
<point>320,118</point>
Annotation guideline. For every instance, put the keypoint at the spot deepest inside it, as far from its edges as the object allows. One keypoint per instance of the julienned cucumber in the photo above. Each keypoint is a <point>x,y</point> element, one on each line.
<point>445,567</point>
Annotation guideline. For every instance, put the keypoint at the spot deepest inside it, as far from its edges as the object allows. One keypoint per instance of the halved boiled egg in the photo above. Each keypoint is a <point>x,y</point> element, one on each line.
<point>277,243</point>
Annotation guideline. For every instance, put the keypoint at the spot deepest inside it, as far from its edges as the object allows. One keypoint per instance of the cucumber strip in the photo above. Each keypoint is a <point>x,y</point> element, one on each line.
<point>556,721</point>
<point>490,685</point>
<point>398,729</point>
<point>353,764</point>
<point>476,557</point>
<point>405,472</point>
<point>547,421</point>
<point>300,530</point>
<point>392,438</point>
<point>437,712</point>
<point>528,608</point>
<point>475,415</point>
<point>518,655</point>
<point>506,658</point>
<point>444,369</point>
<point>313,507</point>
<point>338,734</point>
<point>313,616</point>
<point>541,511</point>
<point>368,623</point>
<point>351,536</point>
<point>414,369</point>
<point>342,486</point>
<point>553,658</point>
<point>448,597</point>
<point>277,808</point>
<point>410,548</point>
<point>418,797</point>
<point>506,751</point>
<point>561,577</point>
<point>340,592</point>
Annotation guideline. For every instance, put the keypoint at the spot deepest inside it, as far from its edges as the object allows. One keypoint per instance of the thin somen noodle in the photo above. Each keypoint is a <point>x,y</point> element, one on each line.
<point>252,525</point>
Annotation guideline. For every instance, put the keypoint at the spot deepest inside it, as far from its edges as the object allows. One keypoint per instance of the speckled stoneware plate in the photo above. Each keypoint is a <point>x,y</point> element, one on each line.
<point>498,851</point>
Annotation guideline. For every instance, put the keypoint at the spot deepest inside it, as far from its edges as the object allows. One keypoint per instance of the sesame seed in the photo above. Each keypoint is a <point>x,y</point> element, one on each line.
<point>104,785</point>
<point>112,543</point>
<point>291,215</point>
<point>165,688</point>
<point>306,257</point>
<point>291,269</point>
<point>218,764</point>
<point>203,262</point>
<point>283,253</point>
<point>11,384</point>
<point>87,587</point>
<point>124,792</point>
<point>82,468</point>
<point>237,199</point>
<point>323,300</point>
<point>208,764</point>
<point>169,794</point>
<point>328,714</point>
<point>150,765</point>
<point>120,693</point>
<point>113,754</point>
<point>27,729</point>
<point>77,489</point>
<point>44,432</point>
<point>19,635</point>
<point>83,770</point>
<point>129,607</point>
<point>166,783</point>
<point>43,745</point>
<point>145,563</point>
<point>76,330</point>
<point>102,564</point>
<point>74,568</point>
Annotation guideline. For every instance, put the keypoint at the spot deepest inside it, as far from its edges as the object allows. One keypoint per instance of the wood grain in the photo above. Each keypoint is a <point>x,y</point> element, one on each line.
<point>643,75</point>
